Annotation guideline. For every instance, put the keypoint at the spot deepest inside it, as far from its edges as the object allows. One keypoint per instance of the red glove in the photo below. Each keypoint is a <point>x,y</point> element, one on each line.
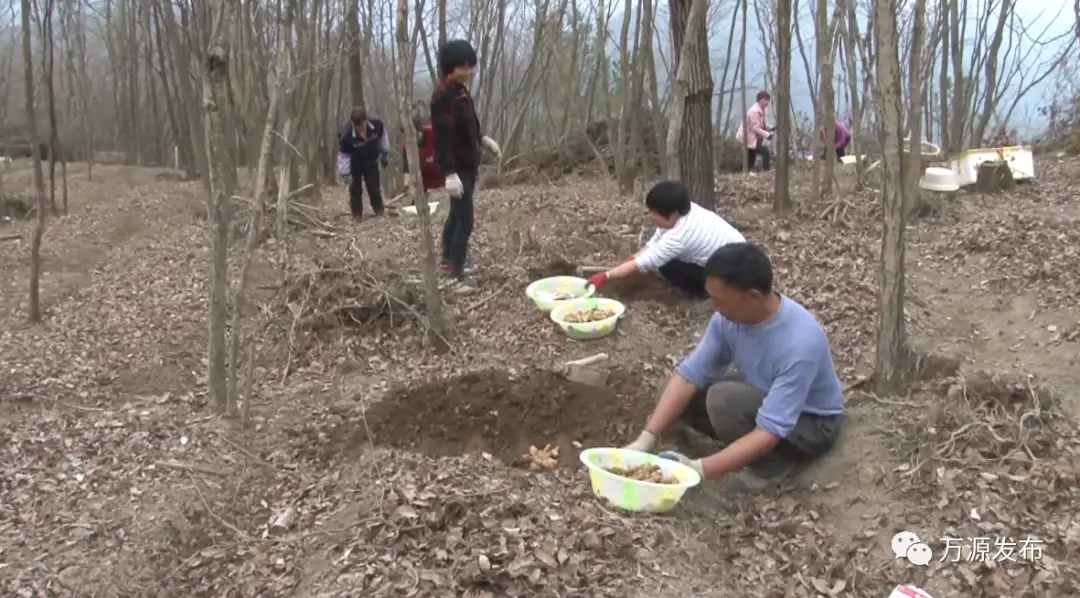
<point>598,280</point>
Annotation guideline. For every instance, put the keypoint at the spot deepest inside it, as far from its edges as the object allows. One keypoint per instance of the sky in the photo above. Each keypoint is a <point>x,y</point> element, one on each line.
<point>1053,16</point>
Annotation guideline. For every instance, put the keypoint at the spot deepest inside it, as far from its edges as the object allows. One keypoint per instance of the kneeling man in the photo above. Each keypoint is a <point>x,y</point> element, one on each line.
<point>686,235</point>
<point>761,381</point>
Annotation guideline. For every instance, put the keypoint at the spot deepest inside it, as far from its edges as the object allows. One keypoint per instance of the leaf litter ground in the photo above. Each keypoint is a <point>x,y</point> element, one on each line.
<point>115,460</point>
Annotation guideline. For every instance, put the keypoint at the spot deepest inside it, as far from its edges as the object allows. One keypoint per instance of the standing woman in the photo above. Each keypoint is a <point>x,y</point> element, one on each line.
<point>754,130</point>
<point>457,152</point>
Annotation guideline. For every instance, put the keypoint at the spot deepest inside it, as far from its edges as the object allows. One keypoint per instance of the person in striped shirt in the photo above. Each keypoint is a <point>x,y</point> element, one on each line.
<point>686,236</point>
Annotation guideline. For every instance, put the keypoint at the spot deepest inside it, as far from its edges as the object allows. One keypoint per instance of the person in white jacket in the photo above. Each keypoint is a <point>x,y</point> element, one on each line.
<point>686,237</point>
<point>754,130</point>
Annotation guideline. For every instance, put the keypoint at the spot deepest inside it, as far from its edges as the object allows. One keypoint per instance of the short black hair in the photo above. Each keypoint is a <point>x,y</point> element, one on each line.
<point>743,266</point>
<point>667,198</point>
<point>455,53</point>
<point>358,115</point>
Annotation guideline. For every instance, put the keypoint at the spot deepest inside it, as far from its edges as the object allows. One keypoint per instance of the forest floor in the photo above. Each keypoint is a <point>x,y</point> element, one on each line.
<point>119,481</point>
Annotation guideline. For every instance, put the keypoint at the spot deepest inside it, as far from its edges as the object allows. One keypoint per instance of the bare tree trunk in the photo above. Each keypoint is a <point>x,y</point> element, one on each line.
<point>742,83</point>
<point>781,193</point>
<point>35,152</point>
<point>956,52</point>
<point>356,65</point>
<point>618,137</point>
<point>827,95</point>
<point>50,102</point>
<point>215,80</point>
<point>689,140</point>
<point>851,48</point>
<point>891,362</point>
<point>442,22</point>
<point>258,205</point>
<point>913,168</point>
<point>431,281</point>
<point>288,105</point>
<point>943,77</point>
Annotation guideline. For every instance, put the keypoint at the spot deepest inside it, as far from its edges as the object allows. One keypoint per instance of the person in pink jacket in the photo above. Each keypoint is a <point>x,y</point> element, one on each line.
<point>759,130</point>
<point>841,142</point>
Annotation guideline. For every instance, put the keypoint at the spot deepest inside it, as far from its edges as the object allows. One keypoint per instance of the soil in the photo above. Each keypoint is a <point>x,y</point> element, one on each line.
<point>645,287</point>
<point>128,302</point>
<point>558,267</point>
<point>492,412</point>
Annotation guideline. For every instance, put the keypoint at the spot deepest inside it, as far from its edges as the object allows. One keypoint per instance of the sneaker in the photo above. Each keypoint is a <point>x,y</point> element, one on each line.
<point>447,267</point>
<point>458,287</point>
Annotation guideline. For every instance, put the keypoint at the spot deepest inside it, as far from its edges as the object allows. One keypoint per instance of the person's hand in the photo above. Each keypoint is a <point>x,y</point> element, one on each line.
<point>598,280</point>
<point>645,443</point>
<point>694,464</point>
<point>384,159</point>
<point>769,136</point>
<point>491,146</point>
<point>454,186</point>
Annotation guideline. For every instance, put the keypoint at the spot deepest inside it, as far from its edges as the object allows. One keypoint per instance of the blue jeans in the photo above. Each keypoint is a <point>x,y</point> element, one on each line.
<point>459,225</point>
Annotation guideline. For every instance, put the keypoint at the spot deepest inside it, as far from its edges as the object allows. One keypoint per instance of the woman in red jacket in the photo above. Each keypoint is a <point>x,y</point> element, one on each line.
<point>430,176</point>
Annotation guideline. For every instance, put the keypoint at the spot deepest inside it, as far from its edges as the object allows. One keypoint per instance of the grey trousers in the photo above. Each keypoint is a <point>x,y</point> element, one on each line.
<point>727,411</point>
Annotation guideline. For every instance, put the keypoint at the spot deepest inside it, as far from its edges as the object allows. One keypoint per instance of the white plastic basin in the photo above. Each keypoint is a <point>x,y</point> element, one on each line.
<point>634,495</point>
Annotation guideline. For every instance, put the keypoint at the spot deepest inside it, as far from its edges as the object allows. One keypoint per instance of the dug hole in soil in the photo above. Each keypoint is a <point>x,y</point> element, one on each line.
<point>644,287</point>
<point>495,412</point>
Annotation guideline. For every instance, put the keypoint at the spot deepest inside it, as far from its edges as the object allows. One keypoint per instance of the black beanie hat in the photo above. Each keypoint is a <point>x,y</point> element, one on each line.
<point>455,53</point>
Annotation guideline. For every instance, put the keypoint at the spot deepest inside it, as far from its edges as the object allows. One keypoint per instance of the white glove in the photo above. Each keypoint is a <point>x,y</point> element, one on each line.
<point>491,146</point>
<point>694,464</point>
<point>454,186</point>
<point>644,443</point>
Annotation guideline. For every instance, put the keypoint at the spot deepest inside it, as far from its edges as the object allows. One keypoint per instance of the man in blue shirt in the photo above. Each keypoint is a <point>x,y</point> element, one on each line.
<point>761,381</point>
<point>363,148</point>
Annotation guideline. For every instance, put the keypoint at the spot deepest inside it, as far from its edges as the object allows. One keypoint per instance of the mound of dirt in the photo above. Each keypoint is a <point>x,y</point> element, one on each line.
<point>495,412</point>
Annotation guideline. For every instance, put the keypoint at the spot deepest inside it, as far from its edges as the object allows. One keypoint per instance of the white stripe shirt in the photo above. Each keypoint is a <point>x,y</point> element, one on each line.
<point>693,239</point>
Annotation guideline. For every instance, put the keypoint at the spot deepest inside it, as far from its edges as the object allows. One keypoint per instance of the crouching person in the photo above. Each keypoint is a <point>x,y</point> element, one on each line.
<point>761,382</point>
<point>686,235</point>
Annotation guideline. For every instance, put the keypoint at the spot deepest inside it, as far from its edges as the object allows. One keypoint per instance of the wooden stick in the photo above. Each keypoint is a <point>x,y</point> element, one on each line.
<point>189,467</point>
<point>593,269</point>
<point>283,521</point>
<point>14,237</point>
<point>591,360</point>
<point>293,194</point>
<point>397,198</point>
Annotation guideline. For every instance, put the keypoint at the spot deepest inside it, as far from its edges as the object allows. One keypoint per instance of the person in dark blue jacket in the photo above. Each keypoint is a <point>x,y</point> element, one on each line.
<point>363,148</point>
